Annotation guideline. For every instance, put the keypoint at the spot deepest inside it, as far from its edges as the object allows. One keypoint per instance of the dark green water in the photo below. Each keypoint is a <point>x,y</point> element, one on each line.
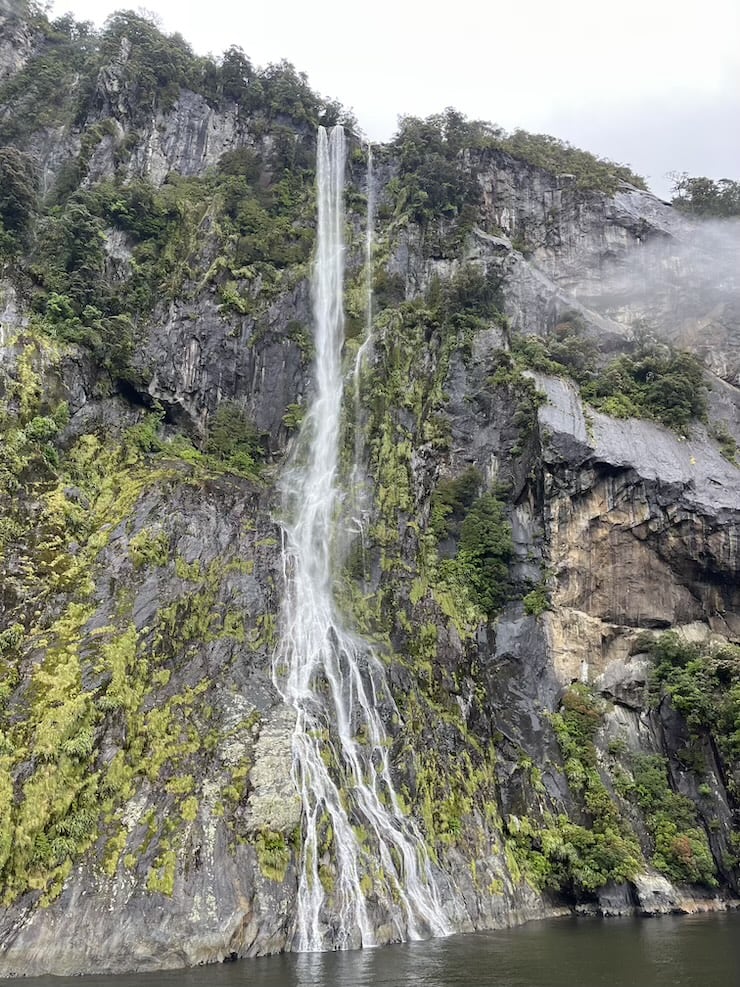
<point>691,951</point>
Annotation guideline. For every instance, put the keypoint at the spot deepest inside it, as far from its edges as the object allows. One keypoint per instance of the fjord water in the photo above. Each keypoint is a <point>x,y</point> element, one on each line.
<point>689,951</point>
<point>331,677</point>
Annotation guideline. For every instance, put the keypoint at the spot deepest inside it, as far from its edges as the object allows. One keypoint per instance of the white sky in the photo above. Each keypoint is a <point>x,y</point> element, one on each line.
<point>650,83</point>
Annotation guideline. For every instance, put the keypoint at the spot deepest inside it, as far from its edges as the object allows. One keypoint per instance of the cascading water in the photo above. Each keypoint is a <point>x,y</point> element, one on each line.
<point>358,491</point>
<point>368,340</point>
<point>358,843</point>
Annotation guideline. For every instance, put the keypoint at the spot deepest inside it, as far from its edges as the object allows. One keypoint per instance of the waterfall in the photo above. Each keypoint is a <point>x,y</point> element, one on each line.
<point>358,843</point>
<point>359,496</point>
<point>367,341</point>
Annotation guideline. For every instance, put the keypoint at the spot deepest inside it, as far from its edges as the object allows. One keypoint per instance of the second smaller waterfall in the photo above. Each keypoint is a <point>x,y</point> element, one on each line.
<point>357,489</point>
<point>369,224</point>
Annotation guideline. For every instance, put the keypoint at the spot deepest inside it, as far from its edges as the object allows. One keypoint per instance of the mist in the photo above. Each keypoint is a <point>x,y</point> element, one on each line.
<point>681,284</point>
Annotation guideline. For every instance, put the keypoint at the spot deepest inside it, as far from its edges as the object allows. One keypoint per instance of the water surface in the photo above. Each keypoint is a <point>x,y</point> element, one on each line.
<point>687,951</point>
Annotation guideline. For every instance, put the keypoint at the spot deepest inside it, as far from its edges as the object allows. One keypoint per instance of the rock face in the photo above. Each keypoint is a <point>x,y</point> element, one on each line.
<point>647,538</point>
<point>516,554</point>
<point>16,45</point>
<point>626,260</point>
<point>197,359</point>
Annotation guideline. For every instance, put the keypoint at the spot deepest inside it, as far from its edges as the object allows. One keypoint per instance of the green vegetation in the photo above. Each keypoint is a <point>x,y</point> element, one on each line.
<point>726,442</point>
<point>485,551</point>
<point>558,853</point>
<point>148,548</point>
<point>150,70</point>
<point>232,438</point>
<point>435,189</point>
<point>441,157</point>
<point>408,396</point>
<point>407,411</point>
<point>245,227</point>
<point>259,235</point>
<point>434,146</point>
<point>18,189</point>
<point>53,86</point>
<point>447,775</point>
<point>521,391</point>
<point>681,850</point>
<point>233,446</point>
<point>537,601</point>
<point>154,68</point>
<point>449,793</point>
<point>97,711</point>
<point>706,197</point>
<point>561,855</point>
<point>293,416</point>
<point>161,877</point>
<point>451,500</point>
<point>30,436</point>
<point>590,172</point>
<point>87,706</point>
<point>703,684</point>
<point>273,855</point>
<point>653,381</point>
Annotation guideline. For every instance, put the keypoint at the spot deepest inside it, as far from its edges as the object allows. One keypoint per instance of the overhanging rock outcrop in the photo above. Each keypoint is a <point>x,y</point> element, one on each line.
<point>643,527</point>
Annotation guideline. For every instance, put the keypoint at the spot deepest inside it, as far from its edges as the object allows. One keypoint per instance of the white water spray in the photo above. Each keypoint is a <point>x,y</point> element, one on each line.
<point>358,844</point>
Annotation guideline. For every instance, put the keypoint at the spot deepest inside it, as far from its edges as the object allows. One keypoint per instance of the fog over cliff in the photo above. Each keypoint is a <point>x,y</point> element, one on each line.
<point>681,282</point>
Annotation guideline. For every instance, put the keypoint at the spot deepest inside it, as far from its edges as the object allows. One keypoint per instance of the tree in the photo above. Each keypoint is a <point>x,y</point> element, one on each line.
<point>486,546</point>
<point>17,195</point>
<point>705,196</point>
<point>236,74</point>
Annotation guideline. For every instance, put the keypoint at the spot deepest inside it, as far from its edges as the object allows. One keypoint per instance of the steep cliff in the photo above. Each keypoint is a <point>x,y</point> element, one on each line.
<point>543,544</point>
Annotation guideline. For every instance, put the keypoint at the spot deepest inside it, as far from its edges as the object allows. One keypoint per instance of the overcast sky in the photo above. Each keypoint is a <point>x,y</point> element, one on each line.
<point>650,83</point>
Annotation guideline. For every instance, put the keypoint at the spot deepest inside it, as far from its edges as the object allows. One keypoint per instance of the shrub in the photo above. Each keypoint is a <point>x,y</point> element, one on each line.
<point>149,548</point>
<point>558,157</point>
<point>653,381</point>
<point>703,685</point>
<point>536,602</point>
<point>450,500</point>
<point>17,196</point>
<point>273,855</point>
<point>233,439</point>
<point>568,857</point>
<point>726,442</point>
<point>681,850</point>
<point>486,547</point>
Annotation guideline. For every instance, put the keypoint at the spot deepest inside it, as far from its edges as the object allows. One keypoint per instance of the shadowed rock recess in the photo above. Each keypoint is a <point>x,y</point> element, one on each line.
<point>536,533</point>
